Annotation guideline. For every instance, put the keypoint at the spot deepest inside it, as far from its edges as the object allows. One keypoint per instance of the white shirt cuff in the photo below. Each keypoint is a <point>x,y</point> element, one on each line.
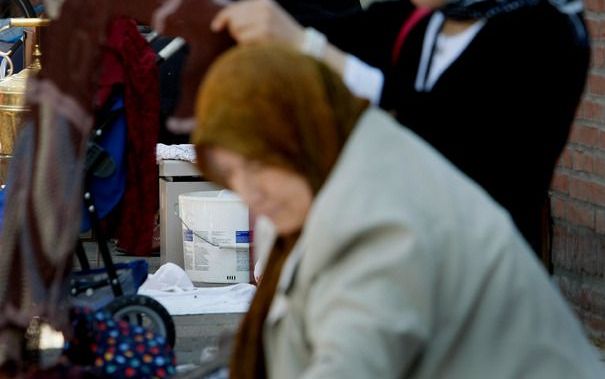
<point>363,80</point>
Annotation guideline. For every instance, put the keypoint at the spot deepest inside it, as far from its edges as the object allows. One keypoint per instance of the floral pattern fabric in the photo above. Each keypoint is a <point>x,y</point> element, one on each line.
<point>117,349</point>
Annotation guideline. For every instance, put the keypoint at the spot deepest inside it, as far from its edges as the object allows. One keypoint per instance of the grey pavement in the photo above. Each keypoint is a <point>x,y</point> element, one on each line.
<point>198,336</point>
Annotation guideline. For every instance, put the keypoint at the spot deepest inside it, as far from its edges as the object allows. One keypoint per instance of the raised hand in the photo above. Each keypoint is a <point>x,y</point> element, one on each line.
<point>257,21</point>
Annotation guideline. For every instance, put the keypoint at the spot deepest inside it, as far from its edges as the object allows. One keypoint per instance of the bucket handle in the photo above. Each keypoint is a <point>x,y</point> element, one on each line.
<point>9,62</point>
<point>220,246</point>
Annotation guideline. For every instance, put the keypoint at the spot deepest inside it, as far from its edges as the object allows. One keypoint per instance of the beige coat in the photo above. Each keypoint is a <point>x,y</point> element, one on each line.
<point>406,268</point>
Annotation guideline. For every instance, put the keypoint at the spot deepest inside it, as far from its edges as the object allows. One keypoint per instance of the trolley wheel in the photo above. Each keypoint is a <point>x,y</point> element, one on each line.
<point>146,312</point>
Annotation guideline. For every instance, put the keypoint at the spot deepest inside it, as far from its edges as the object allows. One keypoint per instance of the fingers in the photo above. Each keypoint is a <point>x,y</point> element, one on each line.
<point>237,13</point>
<point>222,18</point>
<point>234,19</point>
<point>254,21</point>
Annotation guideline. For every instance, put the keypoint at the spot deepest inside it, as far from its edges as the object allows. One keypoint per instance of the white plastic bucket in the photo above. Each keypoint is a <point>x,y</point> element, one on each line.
<point>216,237</point>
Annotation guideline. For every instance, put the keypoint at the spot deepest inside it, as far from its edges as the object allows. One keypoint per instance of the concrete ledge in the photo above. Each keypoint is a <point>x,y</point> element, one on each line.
<point>201,334</point>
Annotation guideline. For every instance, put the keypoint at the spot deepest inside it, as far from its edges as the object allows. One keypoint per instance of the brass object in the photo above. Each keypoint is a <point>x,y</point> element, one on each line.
<point>25,23</point>
<point>13,108</point>
<point>29,22</point>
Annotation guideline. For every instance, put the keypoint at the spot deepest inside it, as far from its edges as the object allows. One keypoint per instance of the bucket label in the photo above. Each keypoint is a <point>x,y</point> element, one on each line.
<point>242,236</point>
<point>218,237</point>
<point>188,235</point>
<point>202,251</point>
<point>216,256</point>
<point>242,259</point>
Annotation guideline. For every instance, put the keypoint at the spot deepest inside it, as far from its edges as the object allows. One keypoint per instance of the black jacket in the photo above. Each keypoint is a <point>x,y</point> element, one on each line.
<point>501,112</point>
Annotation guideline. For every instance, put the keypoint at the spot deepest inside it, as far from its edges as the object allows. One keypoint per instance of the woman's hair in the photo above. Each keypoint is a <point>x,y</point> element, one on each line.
<point>276,106</point>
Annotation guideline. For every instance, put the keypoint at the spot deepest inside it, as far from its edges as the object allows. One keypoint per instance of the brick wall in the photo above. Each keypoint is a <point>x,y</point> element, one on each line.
<point>578,195</point>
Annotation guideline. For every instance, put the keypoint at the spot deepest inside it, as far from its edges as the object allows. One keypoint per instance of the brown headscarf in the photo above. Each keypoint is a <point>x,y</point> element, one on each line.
<point>276,106</point>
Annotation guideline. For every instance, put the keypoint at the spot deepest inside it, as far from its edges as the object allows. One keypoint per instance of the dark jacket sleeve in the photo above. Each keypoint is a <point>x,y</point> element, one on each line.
<point>367,34</point>
<point>313,9</point>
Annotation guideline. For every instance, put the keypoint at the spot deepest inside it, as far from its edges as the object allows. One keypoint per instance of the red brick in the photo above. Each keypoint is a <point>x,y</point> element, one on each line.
<point>583,161</point>
<point>595,298</point>
<point>558,208</point>
<point>580,214</point>
<point>596,28</point>
<point>568,288</point>
<point>601,140</point>
<point>560,254</point>
<point>588,298</point>
<point>583,134</point>
<point>596,84</point>
<point>595,326</point>
<point>583,246</point>
<point>582,299</point>
<point>560,183</point>
<point>600,222</point>
<point>598,57</point>
<point>600,252</point>
<point>594,5</point>
<point>599,167</point>
<point>580,189</point>
<point>598,194</point>
<point>587,303</point>
<point>578,247</point>
<point>591,110</point>
<point>593,27</point>
<point>580,294</point>
<point>565,160</point>
<point>587,191</point>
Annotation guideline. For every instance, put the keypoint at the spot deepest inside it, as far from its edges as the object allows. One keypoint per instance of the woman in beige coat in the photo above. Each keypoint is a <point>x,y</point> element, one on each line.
<point>390,262</point>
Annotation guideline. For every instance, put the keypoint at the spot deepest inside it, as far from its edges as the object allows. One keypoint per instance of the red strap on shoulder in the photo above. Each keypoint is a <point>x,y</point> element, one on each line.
<point>415,17</point>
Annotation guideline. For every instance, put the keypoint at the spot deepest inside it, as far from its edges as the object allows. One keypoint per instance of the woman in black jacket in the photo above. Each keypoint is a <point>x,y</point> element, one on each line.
<point>493,85</point>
